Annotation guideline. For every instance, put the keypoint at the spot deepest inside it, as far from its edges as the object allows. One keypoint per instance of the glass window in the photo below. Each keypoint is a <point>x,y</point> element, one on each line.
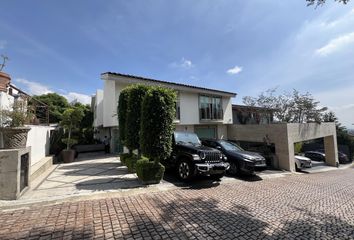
<point>210,108</point>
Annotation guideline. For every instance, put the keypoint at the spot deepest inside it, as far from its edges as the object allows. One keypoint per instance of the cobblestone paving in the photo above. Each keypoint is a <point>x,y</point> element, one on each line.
<point>314,206</point>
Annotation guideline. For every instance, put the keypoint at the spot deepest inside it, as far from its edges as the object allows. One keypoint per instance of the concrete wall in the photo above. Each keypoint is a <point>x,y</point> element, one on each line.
<point>284,136</point>
<point>38,139</point>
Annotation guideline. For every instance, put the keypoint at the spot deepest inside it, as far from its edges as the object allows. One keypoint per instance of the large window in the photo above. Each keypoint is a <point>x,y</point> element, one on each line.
<point>210,108</point>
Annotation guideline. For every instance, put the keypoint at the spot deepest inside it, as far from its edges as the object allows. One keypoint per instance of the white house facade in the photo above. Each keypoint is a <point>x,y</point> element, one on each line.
<point>206,112</point>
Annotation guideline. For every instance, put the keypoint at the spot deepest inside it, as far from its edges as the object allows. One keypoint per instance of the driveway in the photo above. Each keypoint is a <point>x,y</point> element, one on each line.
<point>90,173</point>
<point>299,206</point>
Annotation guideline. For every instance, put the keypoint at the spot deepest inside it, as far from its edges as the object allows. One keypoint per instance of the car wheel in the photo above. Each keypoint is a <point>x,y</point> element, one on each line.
<point>234,169</point>
<point>185,170</point>
<point>296,168</point>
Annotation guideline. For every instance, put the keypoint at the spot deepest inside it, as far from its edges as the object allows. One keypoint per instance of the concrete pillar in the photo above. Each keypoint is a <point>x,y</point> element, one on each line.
<point>285,153</point>
<point>331,150</point>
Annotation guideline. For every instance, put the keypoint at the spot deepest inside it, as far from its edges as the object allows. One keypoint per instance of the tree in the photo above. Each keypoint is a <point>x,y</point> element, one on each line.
<point>56,104</point>
<point>122,113</point>
<point>157,115</point>
<point>321,2</point>
<point>132,128</point>
<point>71,119</point>
<point>293,107</point>
<point>343,137</point>
<point>85,129</point>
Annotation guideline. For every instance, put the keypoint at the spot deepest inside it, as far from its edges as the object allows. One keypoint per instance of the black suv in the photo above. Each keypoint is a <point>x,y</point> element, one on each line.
<point>190,158</point>
<point>241,161</point>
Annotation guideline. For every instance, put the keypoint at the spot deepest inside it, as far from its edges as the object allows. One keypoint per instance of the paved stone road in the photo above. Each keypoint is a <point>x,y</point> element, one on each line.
<point>312,206</point>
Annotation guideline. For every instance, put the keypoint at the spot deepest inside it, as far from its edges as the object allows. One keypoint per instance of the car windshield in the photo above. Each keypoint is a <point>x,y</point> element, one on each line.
<point>185,137</point>
<point>229,146</point>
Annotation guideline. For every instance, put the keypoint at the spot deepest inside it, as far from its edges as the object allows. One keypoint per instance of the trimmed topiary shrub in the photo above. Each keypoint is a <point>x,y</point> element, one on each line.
<point>149,172</point>
<point>123,157</point>
<point>137,93</point>
<point>122,113</point>
<point>130,162</point>
<point>157,115</point>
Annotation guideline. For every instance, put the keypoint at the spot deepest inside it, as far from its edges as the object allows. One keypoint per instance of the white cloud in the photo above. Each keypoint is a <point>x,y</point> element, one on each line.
<point>34,88</point>
<point>235,70</point>
<point>184,64</point>
<point>74,96</point>
<point>3,44</point>
<point>336,44</point>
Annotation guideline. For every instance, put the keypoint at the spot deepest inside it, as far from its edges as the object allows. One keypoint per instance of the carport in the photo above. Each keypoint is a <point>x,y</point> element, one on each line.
<point>284,135</point>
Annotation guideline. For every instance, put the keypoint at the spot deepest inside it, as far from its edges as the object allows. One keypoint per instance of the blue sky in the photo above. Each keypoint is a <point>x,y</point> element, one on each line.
<point>242,46</point>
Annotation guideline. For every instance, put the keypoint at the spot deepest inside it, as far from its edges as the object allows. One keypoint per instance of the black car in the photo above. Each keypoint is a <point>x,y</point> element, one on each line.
<point>190,158</point>
<point>316,156</point>
<point>342,157</point>
<point>241,161</point>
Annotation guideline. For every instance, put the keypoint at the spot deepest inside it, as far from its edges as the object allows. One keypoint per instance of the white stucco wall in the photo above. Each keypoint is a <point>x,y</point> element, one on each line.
<point>189,105</point>
<point>189,108</point>
<point>110,103</point>
<point>98,120</point>
<point>39,140</point>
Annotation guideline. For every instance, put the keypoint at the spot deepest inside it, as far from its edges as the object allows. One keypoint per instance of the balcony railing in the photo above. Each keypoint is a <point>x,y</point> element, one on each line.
<point>211,114</point>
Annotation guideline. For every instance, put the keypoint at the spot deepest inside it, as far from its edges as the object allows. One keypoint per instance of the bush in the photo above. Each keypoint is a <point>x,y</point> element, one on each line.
<point>149,172</point>
<point>137,93</point>
<point>157,115</point>
<point>298,147</point>
<point>123,157</point>
<point>130,162</point>
<point>122,113</point>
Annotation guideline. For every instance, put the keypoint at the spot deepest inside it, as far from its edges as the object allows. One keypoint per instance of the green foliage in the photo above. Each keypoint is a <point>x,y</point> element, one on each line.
<point>158,112</point>
<point>298,147</point>
<point>70,120</point>
<point>122,113</point>
<point>343,138</point>
<point>130,162</point>
<point>137,93</point>
<point>291,107</point>
<point>149,172</point>
<point>17,116</point>
<point>84,133</point>
<point>123,157</point>
<point>57,105</point>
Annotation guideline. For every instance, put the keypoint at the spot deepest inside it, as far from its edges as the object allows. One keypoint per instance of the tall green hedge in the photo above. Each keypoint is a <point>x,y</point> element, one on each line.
<point>136,95</point>
<point>122,113</point>
<point>157,115</point>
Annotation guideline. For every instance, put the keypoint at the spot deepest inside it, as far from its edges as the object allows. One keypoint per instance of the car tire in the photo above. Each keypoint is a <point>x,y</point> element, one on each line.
<point>234,168</point>
<point>296,168</point>
<point>185,170</point>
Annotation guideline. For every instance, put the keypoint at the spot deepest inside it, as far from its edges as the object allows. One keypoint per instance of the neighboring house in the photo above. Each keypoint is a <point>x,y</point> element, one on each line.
<point>251,115</point>
<point>204,111</point>
<point>37,145</point>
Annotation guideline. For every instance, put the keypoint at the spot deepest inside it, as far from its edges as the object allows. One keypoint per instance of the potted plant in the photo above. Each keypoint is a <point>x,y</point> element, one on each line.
<point>71,119</point>
<point>13,122</point>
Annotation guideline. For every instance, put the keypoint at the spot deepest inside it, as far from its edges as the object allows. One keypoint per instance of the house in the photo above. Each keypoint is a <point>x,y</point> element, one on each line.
<point>210,114</point>
<point>20,167</point>
<point>204,111</point>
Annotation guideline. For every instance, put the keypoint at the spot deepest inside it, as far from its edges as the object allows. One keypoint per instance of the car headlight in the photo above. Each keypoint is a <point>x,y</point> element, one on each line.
<point>196,157</point>
<point>225,158</point>
<point>202,155</point>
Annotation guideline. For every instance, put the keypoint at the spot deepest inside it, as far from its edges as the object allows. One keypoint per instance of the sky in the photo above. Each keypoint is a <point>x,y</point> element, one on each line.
<point>241,46</point>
